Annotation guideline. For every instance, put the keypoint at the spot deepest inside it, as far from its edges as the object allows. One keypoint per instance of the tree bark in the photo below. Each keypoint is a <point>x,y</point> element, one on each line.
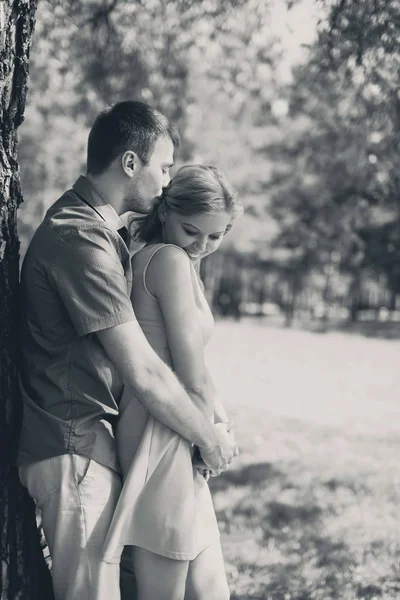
<point>23,573</point>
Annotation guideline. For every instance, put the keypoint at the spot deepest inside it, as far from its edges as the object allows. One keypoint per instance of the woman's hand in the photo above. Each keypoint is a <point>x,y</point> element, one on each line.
<point>225,429</point>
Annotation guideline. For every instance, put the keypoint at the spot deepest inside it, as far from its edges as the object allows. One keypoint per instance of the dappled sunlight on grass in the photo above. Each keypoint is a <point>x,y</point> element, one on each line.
<point>310,509</point>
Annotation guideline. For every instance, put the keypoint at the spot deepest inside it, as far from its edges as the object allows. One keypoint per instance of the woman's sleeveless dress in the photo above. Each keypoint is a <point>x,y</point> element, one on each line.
<point>165,504</point>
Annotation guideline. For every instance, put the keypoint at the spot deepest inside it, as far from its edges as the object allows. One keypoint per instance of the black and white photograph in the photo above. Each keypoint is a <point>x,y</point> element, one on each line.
<point>200,299</point>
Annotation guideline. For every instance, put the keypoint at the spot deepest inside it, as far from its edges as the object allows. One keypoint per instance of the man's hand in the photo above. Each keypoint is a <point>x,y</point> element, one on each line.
<point>218,458</point>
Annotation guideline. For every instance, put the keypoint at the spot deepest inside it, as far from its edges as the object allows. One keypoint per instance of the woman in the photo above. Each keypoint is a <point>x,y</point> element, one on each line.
<point>165,511</point>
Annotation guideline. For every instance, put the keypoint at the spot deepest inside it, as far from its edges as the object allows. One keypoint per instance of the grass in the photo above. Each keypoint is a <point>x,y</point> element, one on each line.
<point>310,509</point>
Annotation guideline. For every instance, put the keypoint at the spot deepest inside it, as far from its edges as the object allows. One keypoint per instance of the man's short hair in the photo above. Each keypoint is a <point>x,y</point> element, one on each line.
<point>128,125</point>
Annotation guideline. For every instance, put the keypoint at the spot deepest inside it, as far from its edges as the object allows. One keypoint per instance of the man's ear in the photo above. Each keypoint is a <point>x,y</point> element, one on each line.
<point>129,162</point>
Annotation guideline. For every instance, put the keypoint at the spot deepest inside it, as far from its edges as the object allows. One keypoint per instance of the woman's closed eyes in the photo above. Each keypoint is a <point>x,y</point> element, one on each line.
<point>214,236</point>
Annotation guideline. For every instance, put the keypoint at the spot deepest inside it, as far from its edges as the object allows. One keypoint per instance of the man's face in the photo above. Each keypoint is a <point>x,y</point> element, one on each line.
<point>149,180</point>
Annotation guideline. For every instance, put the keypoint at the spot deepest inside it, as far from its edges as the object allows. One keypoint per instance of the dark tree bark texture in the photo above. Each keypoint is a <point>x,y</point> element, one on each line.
<point>23,573</point>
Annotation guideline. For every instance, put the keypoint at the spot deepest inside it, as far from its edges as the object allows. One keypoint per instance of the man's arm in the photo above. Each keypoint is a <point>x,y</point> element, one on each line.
<point>157,388</point>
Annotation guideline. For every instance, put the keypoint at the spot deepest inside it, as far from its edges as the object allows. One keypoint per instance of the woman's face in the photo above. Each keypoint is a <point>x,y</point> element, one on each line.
<point>199,235</point>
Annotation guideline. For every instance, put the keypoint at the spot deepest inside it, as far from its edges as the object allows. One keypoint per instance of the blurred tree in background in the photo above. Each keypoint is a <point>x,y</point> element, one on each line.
<point>313,154</point>
<point>89,55</point>
<point>334,188</point>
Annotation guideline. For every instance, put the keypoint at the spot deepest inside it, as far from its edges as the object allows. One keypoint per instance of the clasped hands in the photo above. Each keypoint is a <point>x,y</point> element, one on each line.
<point>217,459</point>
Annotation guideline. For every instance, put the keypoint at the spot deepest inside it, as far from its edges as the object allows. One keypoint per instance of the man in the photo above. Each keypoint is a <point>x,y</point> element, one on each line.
<point>81,341</point>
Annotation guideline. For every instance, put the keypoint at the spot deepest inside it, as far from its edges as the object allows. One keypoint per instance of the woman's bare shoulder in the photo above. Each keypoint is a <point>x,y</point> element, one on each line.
<point>169,266</point>
<point>169,256</point>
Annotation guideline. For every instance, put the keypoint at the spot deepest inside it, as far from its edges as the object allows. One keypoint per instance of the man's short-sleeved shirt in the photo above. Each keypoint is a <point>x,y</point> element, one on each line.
<point>76,280</point>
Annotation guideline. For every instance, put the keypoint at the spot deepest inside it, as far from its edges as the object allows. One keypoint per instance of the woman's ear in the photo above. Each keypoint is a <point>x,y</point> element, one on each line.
<point>129,162</point>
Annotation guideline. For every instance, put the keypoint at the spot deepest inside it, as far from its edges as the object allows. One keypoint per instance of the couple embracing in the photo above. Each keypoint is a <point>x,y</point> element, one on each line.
<point>122,423</point>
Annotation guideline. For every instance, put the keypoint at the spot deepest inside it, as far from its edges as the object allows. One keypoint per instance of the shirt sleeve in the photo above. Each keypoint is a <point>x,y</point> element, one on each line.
<point>87,271</point>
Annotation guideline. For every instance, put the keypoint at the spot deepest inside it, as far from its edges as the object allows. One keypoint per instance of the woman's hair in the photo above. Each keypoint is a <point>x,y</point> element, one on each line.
<point>195,189</point>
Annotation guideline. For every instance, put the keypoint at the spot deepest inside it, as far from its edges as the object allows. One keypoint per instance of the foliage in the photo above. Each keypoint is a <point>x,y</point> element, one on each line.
<point>335,151</point>
<point>89,55</point>
<point>314,157</point>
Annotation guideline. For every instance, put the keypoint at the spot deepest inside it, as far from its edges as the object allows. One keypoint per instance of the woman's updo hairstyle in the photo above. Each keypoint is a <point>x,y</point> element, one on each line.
<point>194,189</point>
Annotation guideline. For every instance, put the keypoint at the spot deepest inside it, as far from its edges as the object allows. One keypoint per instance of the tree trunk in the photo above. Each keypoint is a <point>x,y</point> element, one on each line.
<point>23,573</point>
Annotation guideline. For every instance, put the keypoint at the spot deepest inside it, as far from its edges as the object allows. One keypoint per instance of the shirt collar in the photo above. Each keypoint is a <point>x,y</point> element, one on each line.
<point>95,199</point>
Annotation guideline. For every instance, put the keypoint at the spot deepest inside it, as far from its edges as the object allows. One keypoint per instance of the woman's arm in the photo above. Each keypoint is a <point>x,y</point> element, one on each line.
<point>169,279</point>
<point>220,415</point>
